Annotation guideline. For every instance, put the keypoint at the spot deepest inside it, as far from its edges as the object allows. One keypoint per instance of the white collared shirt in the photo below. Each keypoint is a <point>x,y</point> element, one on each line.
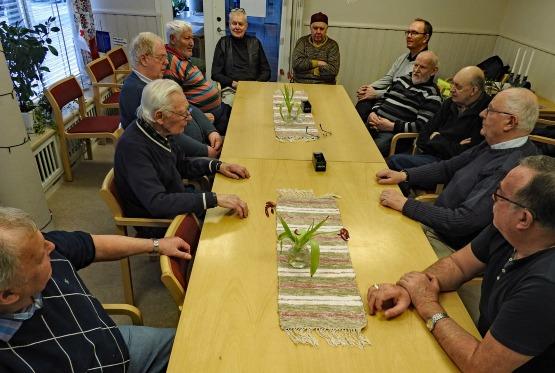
<point>514,143</point>
<point>142,77</point>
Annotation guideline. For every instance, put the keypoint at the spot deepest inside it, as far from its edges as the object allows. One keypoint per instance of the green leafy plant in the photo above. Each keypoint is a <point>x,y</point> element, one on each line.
<point>42,116</point>
<point>25,50</point>
<point>288,92</point>
<point>300,238</point>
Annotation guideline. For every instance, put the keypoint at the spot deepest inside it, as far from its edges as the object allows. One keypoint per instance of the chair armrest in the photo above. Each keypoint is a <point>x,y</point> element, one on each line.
<point>125,310</point>
<point>399,136</point>
<point>142,222</point>
<point>427,198</point>
<point>109,85</point>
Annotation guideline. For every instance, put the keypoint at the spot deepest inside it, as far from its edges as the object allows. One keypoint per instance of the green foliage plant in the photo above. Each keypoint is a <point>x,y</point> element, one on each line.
<point>25,50</point>
<point>42,116</point>
<point>288,92</point>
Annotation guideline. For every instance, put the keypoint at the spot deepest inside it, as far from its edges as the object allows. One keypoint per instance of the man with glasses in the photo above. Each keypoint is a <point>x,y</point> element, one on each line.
<point>149,170</point>
<point>148,59</point>
<point>417,38</point>
<point>463,209</point>
<point>516,255</point>
<point>316,57</point>
<point>455,127</point>
<point>239,56</point>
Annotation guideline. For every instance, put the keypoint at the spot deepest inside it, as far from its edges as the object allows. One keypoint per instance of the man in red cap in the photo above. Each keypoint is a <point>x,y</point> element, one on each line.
<point>316,57</point>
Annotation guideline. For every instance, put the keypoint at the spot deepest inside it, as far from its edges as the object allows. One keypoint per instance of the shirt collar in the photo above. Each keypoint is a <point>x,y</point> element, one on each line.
<point>142,77</point>
<point>176,53</point>
<point>514,143</point>
<point>154,136</point>
<point>11,322</point>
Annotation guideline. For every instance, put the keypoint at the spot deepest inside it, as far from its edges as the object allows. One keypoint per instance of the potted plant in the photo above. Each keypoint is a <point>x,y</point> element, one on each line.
<point>293,108</point>
<point>42,116</point>
<point>25,50</point>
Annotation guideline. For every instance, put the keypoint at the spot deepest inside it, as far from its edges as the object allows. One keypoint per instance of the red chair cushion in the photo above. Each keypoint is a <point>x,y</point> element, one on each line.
<point>113,99</point>
<point>103,123</point>
<point>190,232</point>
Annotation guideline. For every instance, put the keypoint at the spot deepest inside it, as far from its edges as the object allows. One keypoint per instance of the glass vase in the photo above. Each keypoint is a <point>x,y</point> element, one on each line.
<point>299,257</point>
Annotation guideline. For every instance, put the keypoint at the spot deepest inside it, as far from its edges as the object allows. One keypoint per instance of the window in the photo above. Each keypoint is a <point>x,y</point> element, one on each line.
<point>38,11</point>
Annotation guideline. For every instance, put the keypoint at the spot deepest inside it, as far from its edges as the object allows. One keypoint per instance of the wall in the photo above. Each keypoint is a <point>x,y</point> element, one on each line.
<point>371,36</point>
<point>529,25</point>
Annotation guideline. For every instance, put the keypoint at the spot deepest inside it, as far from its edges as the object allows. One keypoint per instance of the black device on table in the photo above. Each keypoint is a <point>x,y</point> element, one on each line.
<point>319,161</point>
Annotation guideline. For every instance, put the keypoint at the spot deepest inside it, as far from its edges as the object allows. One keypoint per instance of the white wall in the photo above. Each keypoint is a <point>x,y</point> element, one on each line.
<point>529,25</point>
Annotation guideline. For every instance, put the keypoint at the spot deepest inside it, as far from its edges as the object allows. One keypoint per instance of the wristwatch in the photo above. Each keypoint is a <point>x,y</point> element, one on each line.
<point>431,322</point>
<point>155,246</point>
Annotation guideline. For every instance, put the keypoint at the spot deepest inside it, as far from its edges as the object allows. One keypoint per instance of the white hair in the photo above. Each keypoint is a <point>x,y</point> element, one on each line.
<point>143,45</point>
<point>176,28</point>
<point>156,97</point>
<point>12,220</point>
<point>524,105</point>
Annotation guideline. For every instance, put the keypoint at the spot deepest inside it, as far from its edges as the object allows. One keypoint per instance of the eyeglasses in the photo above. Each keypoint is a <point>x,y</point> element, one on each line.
<point>490,110</point>
<point>414,33</point>
<point>162,58</point>
<point>186,116</point>
<point>496,197</point>
<point>325,132</point>
<point>235,10</point>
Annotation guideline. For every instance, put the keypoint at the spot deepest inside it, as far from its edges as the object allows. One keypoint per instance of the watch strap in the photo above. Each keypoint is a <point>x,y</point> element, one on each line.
<point>155,246</point>
<point>432,321</point>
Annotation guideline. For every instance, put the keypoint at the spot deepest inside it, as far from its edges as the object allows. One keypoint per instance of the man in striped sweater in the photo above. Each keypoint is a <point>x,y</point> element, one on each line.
<point>408,105</point>
<point>199,91</point>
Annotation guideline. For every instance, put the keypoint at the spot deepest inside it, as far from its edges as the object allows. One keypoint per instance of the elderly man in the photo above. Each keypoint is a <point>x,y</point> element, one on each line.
<point>49,322</point>
<point>149,169</point>
<point>408,105</point>
<point>239,56</point>
<point>417,38</point>
<point>148,58</point>
<point>463,209</point>
<point>316,56</point>
<point>455,127</point>
<point>199,91</point>
<point>517,258</point>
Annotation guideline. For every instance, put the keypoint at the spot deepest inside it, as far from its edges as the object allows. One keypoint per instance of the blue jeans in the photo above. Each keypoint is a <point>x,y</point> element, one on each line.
<point>149,348</point>
<point>400,162</point>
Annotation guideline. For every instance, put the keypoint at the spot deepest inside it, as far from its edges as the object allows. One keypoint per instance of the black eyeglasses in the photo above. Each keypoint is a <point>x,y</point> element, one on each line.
<point>414,33</point>
<point>490,110</point>
<point>186,116</point>
<point>325,132</point>
<point>496,197</point>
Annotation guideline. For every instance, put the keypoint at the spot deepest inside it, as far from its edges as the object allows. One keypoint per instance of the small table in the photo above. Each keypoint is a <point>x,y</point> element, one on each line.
<point>251,128</point>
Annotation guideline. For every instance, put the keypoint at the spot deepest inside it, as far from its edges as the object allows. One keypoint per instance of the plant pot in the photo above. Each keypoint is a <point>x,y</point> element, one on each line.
<point>29,121</point>
<point>299,257</point>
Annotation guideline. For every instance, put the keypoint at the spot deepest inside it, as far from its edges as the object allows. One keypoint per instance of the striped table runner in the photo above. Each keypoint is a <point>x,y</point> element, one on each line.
<point>302,129</point>
<point>327,304</point>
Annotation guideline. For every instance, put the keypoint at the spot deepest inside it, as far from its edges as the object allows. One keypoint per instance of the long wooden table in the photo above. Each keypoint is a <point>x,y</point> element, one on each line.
<point>229,321</point>
<point>251,128</point>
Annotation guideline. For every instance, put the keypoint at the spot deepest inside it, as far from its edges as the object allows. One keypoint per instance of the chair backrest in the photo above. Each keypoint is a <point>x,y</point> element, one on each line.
<point>176,272</point>
<point>109,194</point>
<point>63,91</point>
<point>118,57</point>
<point>100,69</point>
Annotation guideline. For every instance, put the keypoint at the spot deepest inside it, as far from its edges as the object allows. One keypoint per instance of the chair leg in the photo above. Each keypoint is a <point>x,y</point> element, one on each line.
<point>89,149</point>
<point>66,164</point>
<point>127,281</point>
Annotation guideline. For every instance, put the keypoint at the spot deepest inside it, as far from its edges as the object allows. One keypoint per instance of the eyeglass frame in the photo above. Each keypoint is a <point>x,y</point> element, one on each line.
<point>488,110</point>
<point>414,33</point>
<point>496,196</point>
<point>159,58</point>
<point>189,113</point>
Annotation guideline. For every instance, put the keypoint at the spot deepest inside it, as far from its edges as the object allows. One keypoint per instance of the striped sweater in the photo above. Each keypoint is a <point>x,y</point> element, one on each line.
<point>200,92</point>
<point>410,106</point>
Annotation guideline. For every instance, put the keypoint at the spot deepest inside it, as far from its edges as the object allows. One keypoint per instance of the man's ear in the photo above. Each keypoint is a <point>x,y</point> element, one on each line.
<point>172,40</point>
<point>7,297</point>
<point>525,220</point>
<point>159,117</point>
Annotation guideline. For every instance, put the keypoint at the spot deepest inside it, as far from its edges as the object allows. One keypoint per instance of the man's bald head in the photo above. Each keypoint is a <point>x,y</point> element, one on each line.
<point>468,85</point>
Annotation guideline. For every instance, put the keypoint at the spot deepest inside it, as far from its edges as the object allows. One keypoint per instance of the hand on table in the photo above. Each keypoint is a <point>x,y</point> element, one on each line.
<point>175,247</point>
<point>423,289</point>
<point>387,176</point>
<point>392,299</point>
<point>393,199</point>
<point>231,201</point>
<point>234,171</point>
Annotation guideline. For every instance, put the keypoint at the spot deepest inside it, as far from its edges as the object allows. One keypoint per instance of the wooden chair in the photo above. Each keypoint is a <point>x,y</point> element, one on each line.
<point>126,310</point>
<point>109,194</point>
<point>103,75</point>
<point>119,60</point>
<point>399,136</point>
<point>99,127</point>
<point>176,272</point>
